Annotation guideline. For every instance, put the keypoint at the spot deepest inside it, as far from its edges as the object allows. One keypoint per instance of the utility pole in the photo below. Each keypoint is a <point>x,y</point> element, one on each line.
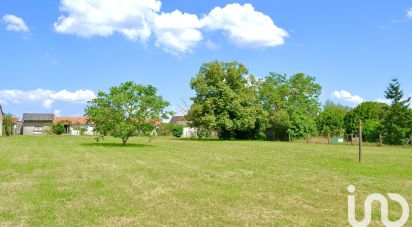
<point>360,140</point>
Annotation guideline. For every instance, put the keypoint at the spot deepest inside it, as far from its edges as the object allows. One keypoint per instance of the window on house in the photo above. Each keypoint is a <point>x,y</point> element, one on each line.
<point>38,128</point>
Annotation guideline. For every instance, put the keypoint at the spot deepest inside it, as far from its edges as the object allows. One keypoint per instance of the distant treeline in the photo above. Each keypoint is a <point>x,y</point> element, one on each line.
<point>233,104</point>
<point>238,105</point>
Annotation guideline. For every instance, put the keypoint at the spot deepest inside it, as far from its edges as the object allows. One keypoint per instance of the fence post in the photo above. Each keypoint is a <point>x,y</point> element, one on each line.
<point>360,141</point>
<point>290,139</point>
<point>351,139</point>
<point>328,138</point>
<point>380,140</point>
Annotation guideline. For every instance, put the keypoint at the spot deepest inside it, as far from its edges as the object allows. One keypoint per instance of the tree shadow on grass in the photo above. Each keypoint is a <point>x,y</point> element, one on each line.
<point>214,140</point>
<point>199,140</point>
<point>115,145</point>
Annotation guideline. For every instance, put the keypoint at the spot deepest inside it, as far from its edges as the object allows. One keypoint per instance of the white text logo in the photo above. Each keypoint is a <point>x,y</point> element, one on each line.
<point>384,209</point>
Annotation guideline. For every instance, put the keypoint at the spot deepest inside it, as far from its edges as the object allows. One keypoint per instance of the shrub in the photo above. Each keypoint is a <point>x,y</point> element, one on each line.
<point>58,129</point>
<point>202,133</point>
<point>177,130</point>
<point>48,131</point>
<point>83,130</point>
<point>166,129</point>
<point>8,125</point>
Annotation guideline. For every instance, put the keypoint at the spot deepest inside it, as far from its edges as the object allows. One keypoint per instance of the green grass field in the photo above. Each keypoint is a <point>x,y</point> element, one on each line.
<point>73,181</point>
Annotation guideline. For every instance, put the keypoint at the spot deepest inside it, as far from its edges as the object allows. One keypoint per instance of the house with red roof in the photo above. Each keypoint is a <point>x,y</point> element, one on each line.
<point>39,124</point>
<point>75,125</point>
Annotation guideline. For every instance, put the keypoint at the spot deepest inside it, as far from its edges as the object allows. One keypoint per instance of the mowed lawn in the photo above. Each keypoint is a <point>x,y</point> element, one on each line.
<point>74,181</point>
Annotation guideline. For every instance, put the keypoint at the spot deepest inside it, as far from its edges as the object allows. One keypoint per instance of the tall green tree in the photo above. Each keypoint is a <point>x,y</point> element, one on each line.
<point>226,101</point>
<point>272,94</point>
<point>332,119</point>
<point>398,121</point>
<point>372,115</point>
<point>303,104</point>
<point>292,103</point>
<point>127,110</point>
<point>366,111</point>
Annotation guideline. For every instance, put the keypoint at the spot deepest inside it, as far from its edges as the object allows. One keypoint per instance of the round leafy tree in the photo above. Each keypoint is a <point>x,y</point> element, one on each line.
<point>127,110</point>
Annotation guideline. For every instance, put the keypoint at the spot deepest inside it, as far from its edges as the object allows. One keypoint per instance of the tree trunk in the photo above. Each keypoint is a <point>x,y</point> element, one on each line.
<point>328,138</point>
<point>124,140</point>
<point>351,139</point>
<point>380,140</point>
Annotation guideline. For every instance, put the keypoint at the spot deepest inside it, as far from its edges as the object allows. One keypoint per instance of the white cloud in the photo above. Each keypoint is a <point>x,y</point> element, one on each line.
<point>175,32</point>
<point>48,103</point>
<point>386,101</point>
<point>347,97</point>
<point>15,23</point>
<point>105,17</point>
<point>45,97</point>
<point>211,45</point>
<point>80,96</point>
<point>57,113</point>
<point>245,26</point>
<point>409,12</point>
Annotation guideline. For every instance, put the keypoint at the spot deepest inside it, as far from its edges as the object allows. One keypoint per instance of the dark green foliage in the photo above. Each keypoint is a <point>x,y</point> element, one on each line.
<point>332,119</point>
<point>372,128</point>
<point>127,110</point>
<point>202,133</point>
<point>300,124</point>
<point>272,94</point>
<point>279,123</point>
<point>292,104</point>
<point>8,124</point>
<point>177,130</point>
<point>226,102</point>
<point>398,120</point>
<point>58,129</point>
<point>395,94</point>
<point>372,115</point>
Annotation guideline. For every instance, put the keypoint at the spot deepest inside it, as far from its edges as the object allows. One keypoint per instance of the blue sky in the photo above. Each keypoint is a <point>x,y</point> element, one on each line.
<point>48,64</point>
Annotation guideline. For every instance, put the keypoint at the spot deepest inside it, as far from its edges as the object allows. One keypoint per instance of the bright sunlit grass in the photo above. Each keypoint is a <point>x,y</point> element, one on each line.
<point>69,181</point>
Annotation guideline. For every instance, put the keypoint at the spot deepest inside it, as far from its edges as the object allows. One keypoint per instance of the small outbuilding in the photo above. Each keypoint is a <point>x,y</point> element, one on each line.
<point>37,124</point>
<point>188,131</point>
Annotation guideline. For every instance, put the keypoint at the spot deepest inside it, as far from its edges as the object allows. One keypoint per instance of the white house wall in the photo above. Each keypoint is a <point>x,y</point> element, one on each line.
<point>28,128</point>
<point>89,128</point>
<point>189,132</point>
